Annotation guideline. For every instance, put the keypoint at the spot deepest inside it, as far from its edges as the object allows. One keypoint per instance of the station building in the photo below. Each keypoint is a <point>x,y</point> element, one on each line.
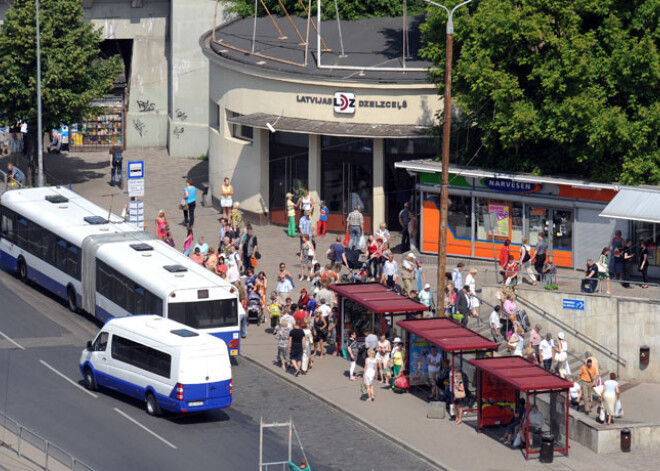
<point>281,123</point>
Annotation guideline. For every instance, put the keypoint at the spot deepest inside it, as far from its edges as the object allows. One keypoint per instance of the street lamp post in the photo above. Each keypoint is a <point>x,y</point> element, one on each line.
<point>446,130</point>
<point>40,135</point>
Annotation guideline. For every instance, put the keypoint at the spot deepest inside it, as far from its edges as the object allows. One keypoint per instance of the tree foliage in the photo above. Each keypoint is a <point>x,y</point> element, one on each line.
<point>558,86</point>
<point>348,9</point>
<point>72,72</point>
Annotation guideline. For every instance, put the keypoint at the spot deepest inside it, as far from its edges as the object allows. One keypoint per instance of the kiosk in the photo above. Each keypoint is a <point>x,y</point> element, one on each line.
<point>502,381</point>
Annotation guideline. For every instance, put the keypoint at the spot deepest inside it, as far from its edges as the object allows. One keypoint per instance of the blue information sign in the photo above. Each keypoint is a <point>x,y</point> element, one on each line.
<point>136,169</point>
<point>574,304</point>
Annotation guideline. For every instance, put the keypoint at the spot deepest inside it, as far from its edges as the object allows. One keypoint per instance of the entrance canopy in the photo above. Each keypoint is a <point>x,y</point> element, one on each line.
<point>635,204</point>
<point>447,335</point>
<point>329,128</point>
<point>378,298</point>
<point>521,374</point>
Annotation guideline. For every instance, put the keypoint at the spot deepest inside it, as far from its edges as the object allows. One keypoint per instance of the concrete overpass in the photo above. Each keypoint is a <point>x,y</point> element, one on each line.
<point>167,74</point>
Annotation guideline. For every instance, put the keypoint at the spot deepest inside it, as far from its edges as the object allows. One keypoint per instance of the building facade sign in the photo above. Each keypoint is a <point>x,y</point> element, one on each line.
<point>347,103</point>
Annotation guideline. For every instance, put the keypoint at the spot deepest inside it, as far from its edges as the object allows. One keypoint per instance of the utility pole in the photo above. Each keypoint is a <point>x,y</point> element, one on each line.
<point>40,132</point>
<point>446,133</point>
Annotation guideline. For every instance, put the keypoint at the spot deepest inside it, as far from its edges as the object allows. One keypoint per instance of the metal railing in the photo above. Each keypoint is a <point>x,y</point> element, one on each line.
<point>494,275</point>
<point>32,447</point>
<point>5,182</point>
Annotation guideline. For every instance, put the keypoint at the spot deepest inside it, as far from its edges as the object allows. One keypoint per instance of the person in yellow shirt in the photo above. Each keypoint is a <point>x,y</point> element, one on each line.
<point>291,213</point>
<point>398,355</point>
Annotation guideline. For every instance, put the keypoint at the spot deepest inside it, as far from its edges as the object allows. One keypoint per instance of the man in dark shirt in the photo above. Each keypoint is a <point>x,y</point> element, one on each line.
<point>296,347</point>
<point>463,306</point>
<point>250,248</point>
<point>340,255</point>
<point>404,221</point>
<point>591,275</point>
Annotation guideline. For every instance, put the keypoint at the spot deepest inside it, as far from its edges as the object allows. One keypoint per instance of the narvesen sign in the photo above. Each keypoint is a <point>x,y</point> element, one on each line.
<point>510,186</point>
<point>346,103</point>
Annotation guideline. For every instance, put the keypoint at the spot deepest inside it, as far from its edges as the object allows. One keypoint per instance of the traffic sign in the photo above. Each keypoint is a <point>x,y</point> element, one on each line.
<point>136,188</point>
<point>573,304</point>
<point>135,169</point>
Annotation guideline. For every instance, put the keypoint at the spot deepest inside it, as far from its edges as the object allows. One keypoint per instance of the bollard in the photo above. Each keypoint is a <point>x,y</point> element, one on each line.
<point>547,448</point>
<point>625,440</point>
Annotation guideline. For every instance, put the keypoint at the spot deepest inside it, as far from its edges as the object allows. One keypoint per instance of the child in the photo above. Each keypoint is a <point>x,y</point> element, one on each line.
<point>275,312</point>
<point>323,219</point>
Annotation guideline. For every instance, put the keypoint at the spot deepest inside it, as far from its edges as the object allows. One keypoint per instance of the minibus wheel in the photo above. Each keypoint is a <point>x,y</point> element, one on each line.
<point>152,405</point>
<point>90,382</point>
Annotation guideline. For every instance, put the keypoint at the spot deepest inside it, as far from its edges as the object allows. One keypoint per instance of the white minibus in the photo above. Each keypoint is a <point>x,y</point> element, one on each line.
<point>164,363</point>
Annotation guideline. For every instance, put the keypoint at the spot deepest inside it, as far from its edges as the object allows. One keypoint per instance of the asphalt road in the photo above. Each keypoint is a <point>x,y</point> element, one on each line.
<point>110,432</point>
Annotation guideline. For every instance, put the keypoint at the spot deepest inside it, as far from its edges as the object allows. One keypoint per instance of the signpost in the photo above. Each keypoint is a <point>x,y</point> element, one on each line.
<point>572,304</point>
<point>136,190</point>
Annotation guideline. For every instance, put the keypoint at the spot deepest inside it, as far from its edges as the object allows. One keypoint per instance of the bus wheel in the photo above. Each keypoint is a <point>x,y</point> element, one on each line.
<point>90,382</point>
<point>152,405</point>
<point>71,299</point>
<point>22,271</point>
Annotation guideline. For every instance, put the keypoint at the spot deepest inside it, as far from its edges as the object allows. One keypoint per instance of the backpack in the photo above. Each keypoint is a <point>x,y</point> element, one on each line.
<point>523,319</point>
<point>526,257</point>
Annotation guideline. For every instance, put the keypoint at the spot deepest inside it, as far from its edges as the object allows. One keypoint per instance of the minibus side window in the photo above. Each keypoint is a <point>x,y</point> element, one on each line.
<point>101,342</point>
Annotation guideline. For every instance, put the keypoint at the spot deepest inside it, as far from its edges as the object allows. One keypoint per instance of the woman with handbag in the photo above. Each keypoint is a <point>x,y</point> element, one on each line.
<point>561,356</point>
<point>459,395</point>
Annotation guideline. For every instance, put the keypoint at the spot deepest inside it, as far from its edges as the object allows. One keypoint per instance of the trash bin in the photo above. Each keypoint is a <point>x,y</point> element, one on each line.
<point>625,440</point>
<point>547,448</point>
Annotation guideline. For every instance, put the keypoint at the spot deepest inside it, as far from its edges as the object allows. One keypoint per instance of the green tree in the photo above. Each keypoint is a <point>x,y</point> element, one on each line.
<point>348,9</point>
<point>73,74</point>
<point>558,86</point>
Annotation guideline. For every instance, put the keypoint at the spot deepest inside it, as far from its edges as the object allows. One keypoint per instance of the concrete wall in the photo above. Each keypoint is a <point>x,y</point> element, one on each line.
<point>188,134</point>
<point>245,91</point>
<point>621,325</point>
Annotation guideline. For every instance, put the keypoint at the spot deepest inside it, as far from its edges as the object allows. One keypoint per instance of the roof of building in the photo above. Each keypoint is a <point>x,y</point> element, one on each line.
<point>521,374</point>
<point>329,128</point>
<point>367,43</point>
<point>433,166</point>
<point>635,204</point>
<point>378,298</point>
<point>447,335</point>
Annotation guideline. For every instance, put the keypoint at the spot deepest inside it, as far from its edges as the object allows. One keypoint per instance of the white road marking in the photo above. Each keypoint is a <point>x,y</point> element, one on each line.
<point>67,378</point>
<point>145,428</point>
<point>12,341</point>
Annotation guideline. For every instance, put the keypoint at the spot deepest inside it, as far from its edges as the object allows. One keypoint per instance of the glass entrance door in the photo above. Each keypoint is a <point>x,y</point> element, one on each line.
<point>288,172</point>
<point>346,179</point>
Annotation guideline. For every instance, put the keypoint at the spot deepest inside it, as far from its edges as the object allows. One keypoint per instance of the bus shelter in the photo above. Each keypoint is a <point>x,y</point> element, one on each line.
<point>503,381</point>
<point>451,340</point>
<point>370,307</point>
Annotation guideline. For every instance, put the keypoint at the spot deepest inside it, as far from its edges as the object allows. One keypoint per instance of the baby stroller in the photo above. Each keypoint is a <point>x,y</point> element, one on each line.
<point>254,309</point>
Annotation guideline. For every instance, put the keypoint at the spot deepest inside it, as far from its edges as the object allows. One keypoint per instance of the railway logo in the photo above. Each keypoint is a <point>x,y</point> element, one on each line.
<point>344,103</point>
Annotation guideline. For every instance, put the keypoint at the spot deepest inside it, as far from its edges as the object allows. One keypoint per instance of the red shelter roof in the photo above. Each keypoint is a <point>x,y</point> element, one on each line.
<point>521,374</point>
<point>447,335</point>
<point>378,298</point>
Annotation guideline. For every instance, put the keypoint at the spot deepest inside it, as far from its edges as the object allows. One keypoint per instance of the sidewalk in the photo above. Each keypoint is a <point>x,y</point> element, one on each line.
<point>401,418</point>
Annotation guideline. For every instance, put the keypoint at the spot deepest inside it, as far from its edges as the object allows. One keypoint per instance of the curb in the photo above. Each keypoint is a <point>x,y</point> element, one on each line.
<point>371,426</point>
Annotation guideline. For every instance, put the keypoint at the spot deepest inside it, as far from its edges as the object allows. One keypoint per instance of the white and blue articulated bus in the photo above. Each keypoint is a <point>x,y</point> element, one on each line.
<point>169,366</point>
<point>55,238</point>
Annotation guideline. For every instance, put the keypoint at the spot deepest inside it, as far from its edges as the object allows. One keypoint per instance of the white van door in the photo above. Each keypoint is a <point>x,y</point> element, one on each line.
<point>100,358</point>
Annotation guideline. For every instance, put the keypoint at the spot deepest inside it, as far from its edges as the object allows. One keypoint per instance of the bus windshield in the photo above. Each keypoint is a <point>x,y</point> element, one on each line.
<point>205,314</point>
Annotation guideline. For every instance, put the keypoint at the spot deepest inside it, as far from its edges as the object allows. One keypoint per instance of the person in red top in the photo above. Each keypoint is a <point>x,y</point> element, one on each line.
<point>328,276</point>
<point>304,298</point>
<point>504,253</point>
<point>511,272</point>
<point>299,315</point>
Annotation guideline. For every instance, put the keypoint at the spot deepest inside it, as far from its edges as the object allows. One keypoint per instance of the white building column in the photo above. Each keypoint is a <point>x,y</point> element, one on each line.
<point>378,176</point>
<point>314,174</point>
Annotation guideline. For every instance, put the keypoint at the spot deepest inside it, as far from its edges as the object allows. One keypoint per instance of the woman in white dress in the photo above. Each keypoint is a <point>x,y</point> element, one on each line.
<point>561,356</point>
<point>308,341</point>
<point>474,301</point>
<point>610,395</point>
<point>370,373</point>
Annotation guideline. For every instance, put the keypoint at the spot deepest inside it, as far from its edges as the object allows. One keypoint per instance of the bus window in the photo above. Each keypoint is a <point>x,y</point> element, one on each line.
<point>7,228</point>
<point>205,314</point>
